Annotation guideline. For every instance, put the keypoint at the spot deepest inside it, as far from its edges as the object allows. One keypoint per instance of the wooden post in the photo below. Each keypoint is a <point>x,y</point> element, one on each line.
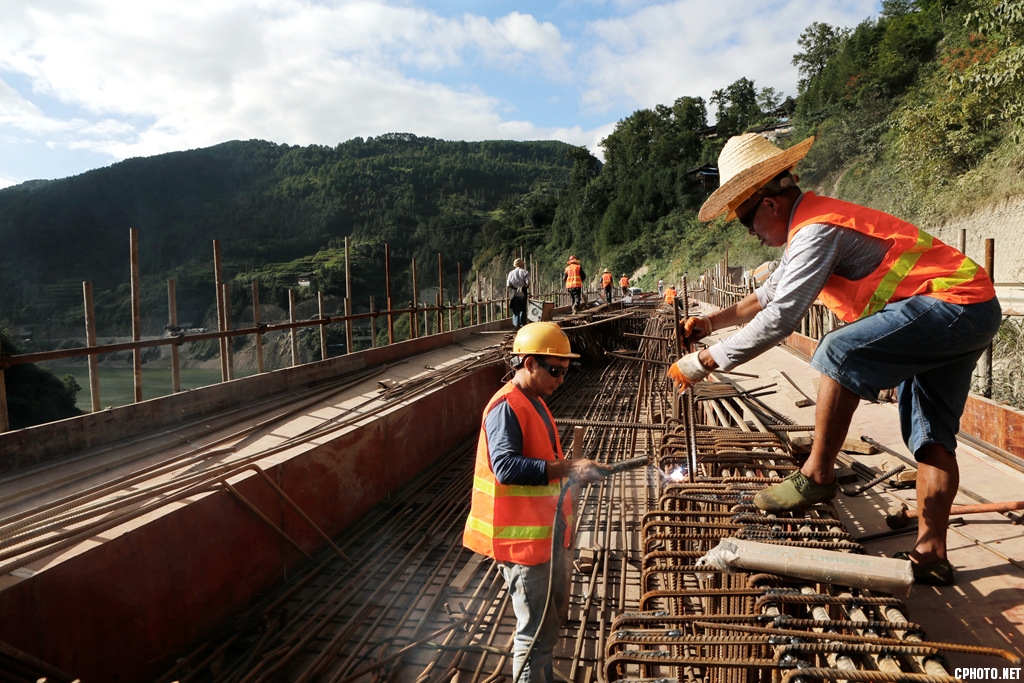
<point>256,323</point>
<point>440,294</point>
<point>229,355</point>
<point>324,355</point>
<point>479,297</point>
<point>414,322</point>
<point>985,366</point>
<point>136,315</point>
<point>373,324</point>
<point>172,321</point>
<point>220,311</point>
<point>963,243</point>
<point>348,298</point>
<point>90,340</point>
<point>387,290</point>
<point>5,422</point>
<point>460,299</point>
<point>293,333</point>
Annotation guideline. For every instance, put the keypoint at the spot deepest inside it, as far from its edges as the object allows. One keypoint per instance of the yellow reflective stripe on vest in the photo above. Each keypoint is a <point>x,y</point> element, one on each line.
<point>488,487</point>
<point>509,532</point>
<point>965,273</point>
<point>899,270</point>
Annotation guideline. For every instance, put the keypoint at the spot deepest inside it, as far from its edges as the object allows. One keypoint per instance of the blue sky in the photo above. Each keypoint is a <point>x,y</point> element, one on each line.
<point>86,83</point>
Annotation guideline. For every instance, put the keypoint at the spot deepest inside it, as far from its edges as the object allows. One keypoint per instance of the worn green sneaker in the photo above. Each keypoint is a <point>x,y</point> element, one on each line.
<point>794,493</point>
<point>934,574</point>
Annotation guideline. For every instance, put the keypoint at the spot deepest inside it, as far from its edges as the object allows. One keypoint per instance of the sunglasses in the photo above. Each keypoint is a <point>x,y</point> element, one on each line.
<point>747,219</point>
<point>553,370</point>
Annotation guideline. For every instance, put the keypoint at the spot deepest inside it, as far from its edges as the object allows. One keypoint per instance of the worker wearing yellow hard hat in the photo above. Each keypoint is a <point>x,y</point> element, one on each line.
<point>519,473</point>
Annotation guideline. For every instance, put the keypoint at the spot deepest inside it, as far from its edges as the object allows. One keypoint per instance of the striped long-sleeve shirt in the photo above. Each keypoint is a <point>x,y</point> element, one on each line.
<point>811,257</point>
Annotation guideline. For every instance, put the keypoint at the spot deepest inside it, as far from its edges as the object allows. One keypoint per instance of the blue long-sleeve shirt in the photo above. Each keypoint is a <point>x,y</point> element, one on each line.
<point>505,442</point>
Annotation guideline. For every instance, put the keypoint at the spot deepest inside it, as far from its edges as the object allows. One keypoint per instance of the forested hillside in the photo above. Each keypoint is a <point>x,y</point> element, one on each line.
<point>273,207</point>
<point>917,111</point>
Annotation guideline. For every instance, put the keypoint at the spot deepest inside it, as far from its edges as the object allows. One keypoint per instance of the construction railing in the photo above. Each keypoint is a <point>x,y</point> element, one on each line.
<point>424,318</point>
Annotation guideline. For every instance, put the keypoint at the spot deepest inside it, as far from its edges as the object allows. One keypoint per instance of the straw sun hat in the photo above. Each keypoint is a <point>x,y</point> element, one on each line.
<point>746,164</point>
<point>519,263</point>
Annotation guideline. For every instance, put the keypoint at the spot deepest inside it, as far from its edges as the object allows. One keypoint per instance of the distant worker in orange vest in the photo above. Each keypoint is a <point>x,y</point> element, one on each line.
<point>520,471</point>
<point>919,314</point>
<point>624,283</point>
<point>606,283</point>
<point>670,295</point>
<point>572,279</point>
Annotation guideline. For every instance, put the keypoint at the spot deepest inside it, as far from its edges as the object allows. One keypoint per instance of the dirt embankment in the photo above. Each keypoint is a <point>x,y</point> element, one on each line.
<point>1002,222</point>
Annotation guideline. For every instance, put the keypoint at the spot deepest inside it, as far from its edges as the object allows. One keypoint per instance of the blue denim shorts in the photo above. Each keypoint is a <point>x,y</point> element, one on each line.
<point>927,348</point>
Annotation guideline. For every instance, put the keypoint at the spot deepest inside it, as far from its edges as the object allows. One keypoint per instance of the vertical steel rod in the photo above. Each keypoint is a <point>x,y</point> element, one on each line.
<point>348,297</point>
<point>414,321</point>
<point>293,333</point>
<point>440,293</point>
<point>217,281</point>
<point>256,323</point>
<point>229,355</point>
<point>324,355</point>
<point>172,321</point>
<point>90,340</point>
<point>136,315</point>
<point>387,292</point>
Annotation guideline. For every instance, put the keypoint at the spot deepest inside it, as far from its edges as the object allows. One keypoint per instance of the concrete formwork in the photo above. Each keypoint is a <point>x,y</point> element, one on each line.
<point>119,608</point>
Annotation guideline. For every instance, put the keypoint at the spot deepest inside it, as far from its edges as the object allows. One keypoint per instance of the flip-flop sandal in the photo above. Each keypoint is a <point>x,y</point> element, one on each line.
<point>934,574</point>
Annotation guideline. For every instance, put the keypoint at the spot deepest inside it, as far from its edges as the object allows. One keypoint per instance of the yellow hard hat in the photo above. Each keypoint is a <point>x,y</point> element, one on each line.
<point>542,339</point>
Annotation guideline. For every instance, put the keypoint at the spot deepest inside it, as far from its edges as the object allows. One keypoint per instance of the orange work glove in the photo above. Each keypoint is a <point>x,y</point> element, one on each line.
<point>687,371</point>
<point>695,328</point>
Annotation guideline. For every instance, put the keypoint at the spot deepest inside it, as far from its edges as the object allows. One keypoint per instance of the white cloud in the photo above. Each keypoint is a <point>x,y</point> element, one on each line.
<point>128,78</point>
<point>692,47</point>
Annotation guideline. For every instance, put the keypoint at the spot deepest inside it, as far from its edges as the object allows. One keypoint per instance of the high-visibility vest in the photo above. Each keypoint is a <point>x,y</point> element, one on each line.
<point>606,280</point>
<point>624,281</point>
<point>573,278</point>
<point>916,263</point>
<point>514,523</point>
<point>670,295</point>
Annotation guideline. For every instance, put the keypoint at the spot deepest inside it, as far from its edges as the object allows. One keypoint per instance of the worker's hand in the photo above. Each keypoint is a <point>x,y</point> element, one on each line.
<point>695,328</point>
<point>687,371</point>
<point>584,471</point>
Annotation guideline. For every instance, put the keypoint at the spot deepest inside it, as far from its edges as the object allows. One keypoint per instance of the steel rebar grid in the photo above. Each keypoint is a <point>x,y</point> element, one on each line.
<point>689,612</point>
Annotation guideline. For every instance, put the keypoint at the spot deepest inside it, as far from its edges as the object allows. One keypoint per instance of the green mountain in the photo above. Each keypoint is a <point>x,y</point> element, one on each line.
<point>272,207</point>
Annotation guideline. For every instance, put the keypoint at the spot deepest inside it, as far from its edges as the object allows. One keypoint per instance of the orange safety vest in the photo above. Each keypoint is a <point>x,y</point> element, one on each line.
<point>514,523</point>
<point>670,295</point>
<point>624,282</point>
<point>916,263</point>
<point>606,280</point>
<point>573,278</point>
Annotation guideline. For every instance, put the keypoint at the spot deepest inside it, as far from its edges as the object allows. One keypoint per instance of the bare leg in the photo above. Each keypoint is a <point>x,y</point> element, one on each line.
<point>938,477</point>
<point>832,417</point>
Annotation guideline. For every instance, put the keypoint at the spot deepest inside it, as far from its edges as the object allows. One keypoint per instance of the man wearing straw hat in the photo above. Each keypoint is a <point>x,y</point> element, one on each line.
<point>518,281</point>
<point>919,316</point>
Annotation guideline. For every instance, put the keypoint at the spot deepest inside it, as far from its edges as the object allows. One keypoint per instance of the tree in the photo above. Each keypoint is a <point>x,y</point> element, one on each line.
<point>820,43</point>
<point>737,107</point>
